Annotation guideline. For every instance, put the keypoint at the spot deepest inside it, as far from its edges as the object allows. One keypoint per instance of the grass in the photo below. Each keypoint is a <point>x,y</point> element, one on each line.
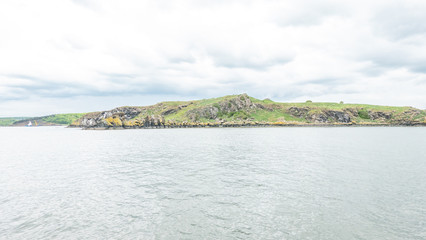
<point>180,115</point>
<point>262,115</point>
<point>275,112</point>
<point>363,114</point>
<point>339,106</point>
<point>332,105</point>
<point>7,121</point>
<point>272,112</point>
<point>64,119</point>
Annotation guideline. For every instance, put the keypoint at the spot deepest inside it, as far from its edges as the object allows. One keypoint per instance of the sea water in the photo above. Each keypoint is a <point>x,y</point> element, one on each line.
<point>233,183</point>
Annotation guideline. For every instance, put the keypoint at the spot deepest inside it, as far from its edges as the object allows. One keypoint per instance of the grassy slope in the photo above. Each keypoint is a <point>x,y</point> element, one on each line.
<point>63,119</point>
<point>60,119</point>
<point>179,116</point>
<point>279,110</point>
<point>7,121</point>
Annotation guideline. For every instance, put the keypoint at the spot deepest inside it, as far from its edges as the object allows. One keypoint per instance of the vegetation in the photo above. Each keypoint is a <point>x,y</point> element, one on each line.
<point>57,119</point>
<point>237,110</point>
<point>10,120</point>
<point>113,121</point>
<point>242,110</point>
<point>64,119</point>
<point>363,114</point>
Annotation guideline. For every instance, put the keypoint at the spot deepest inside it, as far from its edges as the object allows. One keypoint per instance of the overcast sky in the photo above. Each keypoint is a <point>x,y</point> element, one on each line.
<point>60,56</point>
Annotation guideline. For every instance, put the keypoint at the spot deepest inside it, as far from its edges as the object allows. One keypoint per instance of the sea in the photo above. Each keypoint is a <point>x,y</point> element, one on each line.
<point>213,183</point>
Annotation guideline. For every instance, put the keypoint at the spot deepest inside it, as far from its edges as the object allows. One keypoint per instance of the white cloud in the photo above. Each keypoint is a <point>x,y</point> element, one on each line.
<point>356,51</point>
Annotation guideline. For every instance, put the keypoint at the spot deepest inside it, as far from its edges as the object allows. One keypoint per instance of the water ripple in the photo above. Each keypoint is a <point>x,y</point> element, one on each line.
<point>248,183</point>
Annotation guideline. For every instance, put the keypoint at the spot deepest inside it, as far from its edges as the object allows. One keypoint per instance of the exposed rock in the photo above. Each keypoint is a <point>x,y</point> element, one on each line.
<point>374,115</point>
<point>173,110</point>
<point>261,106</point>
<point>339,116</point>
<point>88,122</point>
<point>320,116</point>
<point>106,119</point>
<point>240,110</point>
<point>298,111</point>
<point>317,118</point>
<point>353,112</point>
<point>170,111</point>
<point>153,121</point>
<point>209,112</point>
<point>240,102</point>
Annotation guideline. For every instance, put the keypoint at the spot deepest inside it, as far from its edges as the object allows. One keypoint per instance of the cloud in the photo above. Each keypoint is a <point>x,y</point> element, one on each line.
<point>305,13</point>
<point>399,20</point>
<point>57,51</point>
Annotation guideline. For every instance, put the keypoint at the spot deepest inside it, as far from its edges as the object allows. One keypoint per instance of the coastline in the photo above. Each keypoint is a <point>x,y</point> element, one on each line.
<point>266,125</point>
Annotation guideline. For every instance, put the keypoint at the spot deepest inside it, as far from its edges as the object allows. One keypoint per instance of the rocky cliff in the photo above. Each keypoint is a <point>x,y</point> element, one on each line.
<point>243,110</point>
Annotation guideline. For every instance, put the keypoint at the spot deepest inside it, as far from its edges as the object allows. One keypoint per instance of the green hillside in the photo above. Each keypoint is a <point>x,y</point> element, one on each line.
<point>7,121</point>
<point>56,119</point>
<point>62,119</point>
<point>232,110</point>
<point>242,110</point>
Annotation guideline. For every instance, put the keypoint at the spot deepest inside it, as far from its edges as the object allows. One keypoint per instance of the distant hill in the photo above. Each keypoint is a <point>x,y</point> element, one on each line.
<point>7,121</point>
<point>243,110</point>
<point>51,120</point>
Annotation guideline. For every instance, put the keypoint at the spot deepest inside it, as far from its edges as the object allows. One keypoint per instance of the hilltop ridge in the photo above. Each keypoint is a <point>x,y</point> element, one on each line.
<point>243,110</point>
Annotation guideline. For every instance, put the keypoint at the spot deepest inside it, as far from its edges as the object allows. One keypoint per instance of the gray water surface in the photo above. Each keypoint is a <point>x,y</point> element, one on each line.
<point>238,183</point>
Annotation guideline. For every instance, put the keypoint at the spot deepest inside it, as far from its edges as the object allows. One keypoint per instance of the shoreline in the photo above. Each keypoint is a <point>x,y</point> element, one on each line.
<point>250,126</point>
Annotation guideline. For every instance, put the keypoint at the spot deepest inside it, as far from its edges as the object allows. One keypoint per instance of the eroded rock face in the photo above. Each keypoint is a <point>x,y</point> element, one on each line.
<point>409,117</point>
<point>173,110</point>
<point>317,118</point>
<point>112,118</point>
<point>240,102</point>
<point>210,112</point>
<point>153,121</point>
<point>353,112</point>
<point>88,122</point>
<point>379,115</point>
<point>126,112</point>
<point>339,116</point>
<point>298,111</point>
<point>320,116</point>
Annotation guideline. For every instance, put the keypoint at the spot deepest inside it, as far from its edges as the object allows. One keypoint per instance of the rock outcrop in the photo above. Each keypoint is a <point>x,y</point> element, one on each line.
<point>347,115</point>
<point>106,119</point>
<point>320,115</point>
<point>215,111</point>
<point>329,116</point>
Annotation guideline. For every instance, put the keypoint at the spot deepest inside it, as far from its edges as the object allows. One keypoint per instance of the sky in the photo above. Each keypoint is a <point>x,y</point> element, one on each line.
<point>64,56</point>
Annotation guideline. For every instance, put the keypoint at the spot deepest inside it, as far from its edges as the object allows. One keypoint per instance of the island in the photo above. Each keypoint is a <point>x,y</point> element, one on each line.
<point>245,111</point>
<point>231,111</point>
